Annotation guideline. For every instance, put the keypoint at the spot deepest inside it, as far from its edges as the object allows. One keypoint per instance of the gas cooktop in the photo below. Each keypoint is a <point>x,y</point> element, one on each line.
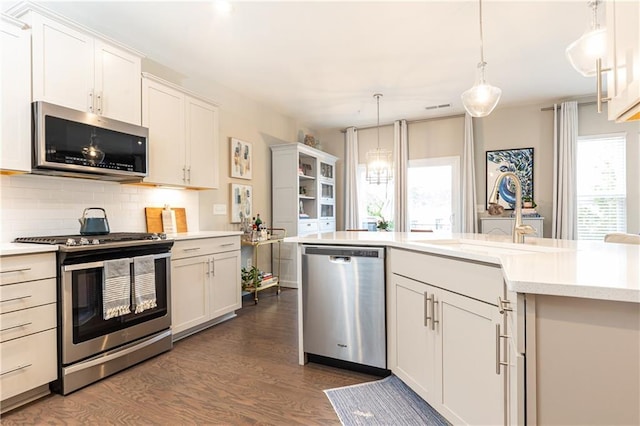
<point>130,238</point>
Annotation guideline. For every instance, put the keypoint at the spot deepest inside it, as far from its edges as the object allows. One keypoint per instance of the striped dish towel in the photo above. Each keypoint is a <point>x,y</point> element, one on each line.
<point>116,288</point>
<point>144,283</point>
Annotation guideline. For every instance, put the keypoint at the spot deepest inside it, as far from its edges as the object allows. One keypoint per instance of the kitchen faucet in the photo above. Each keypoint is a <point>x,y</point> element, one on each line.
<point>519,229</point>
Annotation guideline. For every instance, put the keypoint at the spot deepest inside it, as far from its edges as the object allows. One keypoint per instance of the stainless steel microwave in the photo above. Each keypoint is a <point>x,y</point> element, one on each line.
<point>67,142</point>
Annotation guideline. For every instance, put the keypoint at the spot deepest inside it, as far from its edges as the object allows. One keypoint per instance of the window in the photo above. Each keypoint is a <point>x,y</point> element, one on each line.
<point>601,186</point>
<point>433,194</point>
<point>375,201</point>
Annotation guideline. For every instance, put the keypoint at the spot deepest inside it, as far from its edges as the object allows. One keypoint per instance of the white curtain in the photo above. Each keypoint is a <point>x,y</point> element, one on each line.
<point>351,219</point>
<point>565,133</point>
<point>401,164</point>
<point>469,214</point>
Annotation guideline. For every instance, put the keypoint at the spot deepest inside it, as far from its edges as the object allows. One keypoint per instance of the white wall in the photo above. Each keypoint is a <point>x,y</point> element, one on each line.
<point>506,128</point>
<point>34,205</point>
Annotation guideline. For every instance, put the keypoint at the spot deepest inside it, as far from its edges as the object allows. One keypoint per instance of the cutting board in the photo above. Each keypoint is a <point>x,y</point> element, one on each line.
<point>154,218</point>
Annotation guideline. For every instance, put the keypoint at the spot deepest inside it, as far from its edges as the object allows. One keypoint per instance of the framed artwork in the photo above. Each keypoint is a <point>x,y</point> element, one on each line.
<point>241,158</point>
<point>518,161</point>
<point>241,202</point>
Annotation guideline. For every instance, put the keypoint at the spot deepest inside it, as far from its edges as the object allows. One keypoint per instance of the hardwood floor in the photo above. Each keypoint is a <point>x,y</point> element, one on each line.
<point>243,371</point>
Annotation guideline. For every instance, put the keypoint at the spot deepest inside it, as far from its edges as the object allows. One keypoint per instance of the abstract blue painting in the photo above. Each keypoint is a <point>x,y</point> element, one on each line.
<point>519,161</point>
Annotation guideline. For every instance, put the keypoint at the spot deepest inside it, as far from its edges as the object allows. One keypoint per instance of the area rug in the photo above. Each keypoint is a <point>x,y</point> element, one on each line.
<point>382,402</point>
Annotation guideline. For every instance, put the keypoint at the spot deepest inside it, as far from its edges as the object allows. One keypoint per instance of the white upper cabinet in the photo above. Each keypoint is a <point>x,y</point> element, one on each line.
<point>163,113</point>
<point>79,71</point>
<point>15,119</point>
<point>183,136</point>
<point>623,57</point>
<point>201,146</point>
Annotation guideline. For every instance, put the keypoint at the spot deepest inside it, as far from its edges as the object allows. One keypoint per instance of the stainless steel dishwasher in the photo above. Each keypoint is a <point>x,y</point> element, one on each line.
<point>343,294</point>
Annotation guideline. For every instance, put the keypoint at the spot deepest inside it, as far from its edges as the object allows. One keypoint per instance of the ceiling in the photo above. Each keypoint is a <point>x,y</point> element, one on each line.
<point>322,61</point>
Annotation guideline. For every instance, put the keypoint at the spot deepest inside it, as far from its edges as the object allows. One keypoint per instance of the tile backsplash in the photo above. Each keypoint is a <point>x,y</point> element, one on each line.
<point>32,205</point>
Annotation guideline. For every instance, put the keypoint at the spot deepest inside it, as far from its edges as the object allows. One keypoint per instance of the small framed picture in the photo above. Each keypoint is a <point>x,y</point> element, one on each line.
<point>241,158</point>
<point>241,202</point>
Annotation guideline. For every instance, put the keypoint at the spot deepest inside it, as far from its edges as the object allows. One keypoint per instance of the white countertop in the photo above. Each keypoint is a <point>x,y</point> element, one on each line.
<point>588,269</point>
<point>12,249</point>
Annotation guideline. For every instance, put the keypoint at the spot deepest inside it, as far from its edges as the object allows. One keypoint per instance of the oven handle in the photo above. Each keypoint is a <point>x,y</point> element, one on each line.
<point>100,264</point>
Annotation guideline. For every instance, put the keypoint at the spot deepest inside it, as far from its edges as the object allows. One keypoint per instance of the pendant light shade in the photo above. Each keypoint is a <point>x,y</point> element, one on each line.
<point>482,98</point>
<point>583,53</point>
<point>379,161</point>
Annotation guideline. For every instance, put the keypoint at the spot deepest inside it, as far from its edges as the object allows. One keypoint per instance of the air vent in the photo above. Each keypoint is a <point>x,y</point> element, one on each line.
<point>431,107</point>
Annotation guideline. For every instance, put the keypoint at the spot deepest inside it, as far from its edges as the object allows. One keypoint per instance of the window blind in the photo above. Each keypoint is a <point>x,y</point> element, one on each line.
<point>601,186</point>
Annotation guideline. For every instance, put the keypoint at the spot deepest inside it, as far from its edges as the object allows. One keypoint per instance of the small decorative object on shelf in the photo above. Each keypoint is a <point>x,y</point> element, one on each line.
<point>309,140</point>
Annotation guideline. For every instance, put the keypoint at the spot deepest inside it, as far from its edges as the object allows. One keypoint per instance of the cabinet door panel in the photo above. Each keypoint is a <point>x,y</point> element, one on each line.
<point>163,114</point>
<point>415,343</point>
<point>201,144</point>
<point>472,392</point>
<point>27,363</point>
<point>63,64</point>
<point>15,127</point>
<point>225,287</point>
<point>189,292</point>
<point>117,83</point>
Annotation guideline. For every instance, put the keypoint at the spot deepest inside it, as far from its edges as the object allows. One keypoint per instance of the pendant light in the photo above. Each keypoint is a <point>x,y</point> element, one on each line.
<point>379,161</point>
<point>583,53</point>
<point>482,98</point>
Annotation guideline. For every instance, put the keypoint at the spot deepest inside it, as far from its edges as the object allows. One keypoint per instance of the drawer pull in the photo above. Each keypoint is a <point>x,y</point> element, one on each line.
<point>18,368</point>
<point>192,249</point>
<point>15,270</point>
<point>16,326</point>
<point>226,245</point>
<point>15,298</point>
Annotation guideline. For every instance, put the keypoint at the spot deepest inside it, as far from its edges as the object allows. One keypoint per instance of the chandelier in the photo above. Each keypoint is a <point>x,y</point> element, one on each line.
<point>379,161</point>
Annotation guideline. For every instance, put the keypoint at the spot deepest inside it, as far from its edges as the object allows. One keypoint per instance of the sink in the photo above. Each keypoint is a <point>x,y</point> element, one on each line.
<point>490,248</point>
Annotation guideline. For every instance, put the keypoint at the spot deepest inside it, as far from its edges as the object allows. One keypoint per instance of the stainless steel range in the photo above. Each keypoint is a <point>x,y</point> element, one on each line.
<point>93,342</point>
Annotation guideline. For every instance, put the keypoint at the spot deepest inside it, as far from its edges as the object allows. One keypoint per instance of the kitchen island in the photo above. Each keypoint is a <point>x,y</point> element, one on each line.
<point>488,331</point>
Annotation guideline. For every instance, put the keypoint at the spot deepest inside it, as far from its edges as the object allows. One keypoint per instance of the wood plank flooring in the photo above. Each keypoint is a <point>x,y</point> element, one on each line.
<point>243,371</point>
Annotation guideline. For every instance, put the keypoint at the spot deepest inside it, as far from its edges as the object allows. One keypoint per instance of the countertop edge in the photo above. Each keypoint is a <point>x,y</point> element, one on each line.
<point>14,249</point>
<point>516,280</point>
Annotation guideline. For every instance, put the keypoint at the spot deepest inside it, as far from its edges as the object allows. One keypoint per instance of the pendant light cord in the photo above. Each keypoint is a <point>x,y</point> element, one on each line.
<point>377,96</point>
<point>482,62</point>
<point>594,18</point>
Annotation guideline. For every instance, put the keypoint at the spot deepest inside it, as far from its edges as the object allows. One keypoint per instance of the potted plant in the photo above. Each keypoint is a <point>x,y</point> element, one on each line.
<point>527,202</point>
<point>383,224</point>
<point>251,278</point>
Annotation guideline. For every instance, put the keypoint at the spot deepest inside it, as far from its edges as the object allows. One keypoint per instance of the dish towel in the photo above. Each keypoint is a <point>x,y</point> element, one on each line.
<point>116,288</point>
<point>144,280</point>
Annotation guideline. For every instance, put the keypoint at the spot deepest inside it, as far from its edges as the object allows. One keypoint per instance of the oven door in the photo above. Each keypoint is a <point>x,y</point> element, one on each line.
<point>85,332</point>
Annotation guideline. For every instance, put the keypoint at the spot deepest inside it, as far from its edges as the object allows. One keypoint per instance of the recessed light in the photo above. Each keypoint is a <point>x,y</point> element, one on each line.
<point>223,7</point>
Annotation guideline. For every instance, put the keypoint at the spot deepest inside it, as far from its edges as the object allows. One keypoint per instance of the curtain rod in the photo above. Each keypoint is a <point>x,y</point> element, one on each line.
<point>420,120</point>
<point>560,106</point>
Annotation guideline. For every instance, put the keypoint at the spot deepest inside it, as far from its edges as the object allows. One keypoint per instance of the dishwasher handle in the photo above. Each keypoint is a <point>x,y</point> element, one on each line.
<point>340,259</point>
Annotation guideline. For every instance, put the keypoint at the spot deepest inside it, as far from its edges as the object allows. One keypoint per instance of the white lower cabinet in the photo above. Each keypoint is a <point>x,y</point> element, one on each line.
<point>449,347</point>
<point>205,283</point>
<point>28,344</point>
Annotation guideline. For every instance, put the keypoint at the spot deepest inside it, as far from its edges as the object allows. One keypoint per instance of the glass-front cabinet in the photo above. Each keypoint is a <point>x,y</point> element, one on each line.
<point>304,197</point>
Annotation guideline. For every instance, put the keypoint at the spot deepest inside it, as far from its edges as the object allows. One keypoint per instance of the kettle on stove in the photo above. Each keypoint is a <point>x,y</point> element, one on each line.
<point>94,225</point>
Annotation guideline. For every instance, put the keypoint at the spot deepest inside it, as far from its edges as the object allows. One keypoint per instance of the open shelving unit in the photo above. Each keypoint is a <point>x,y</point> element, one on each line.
<point>277,235</point>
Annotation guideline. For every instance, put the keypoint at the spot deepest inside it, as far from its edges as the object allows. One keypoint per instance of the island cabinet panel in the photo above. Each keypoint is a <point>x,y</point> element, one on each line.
<point>585,361</point>
<point>447,336</point>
